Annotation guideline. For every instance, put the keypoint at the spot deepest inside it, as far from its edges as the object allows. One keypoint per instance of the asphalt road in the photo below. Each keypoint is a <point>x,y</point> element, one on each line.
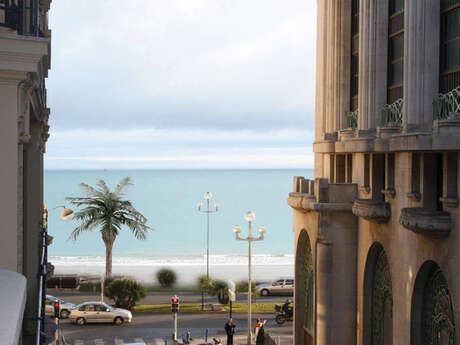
<point>154,328</point>
<point>156,298</point>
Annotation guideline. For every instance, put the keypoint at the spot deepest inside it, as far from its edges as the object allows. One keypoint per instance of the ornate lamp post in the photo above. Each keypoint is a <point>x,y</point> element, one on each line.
<point>207,211</point>
<point>250,217</point>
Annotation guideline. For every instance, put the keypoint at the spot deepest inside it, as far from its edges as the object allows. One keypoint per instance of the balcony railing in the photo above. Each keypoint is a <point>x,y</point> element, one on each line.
<point>392,114</point>
<point>446,105</point>
<point>352,119</point>
<point>14,15</point>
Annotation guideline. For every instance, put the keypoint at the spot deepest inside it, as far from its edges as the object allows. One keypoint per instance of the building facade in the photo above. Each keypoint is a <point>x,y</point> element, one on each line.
<point>377,231</point>
<point>25,44</point>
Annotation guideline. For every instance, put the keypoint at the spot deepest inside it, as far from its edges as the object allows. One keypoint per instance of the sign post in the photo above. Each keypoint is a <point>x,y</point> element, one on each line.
<point>174,310</point>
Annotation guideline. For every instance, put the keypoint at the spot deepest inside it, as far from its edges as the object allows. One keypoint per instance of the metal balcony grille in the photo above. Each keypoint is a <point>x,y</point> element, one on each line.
<point>447,105</point>
<point>392,114</point>
<point>352,119</point>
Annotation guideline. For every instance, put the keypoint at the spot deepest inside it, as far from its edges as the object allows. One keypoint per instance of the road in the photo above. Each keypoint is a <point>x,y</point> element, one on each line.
<point>160,297</point>
<point>154,328</point>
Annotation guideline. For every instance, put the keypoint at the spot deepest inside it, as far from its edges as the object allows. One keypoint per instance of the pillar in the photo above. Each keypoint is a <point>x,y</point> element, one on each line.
<point>323,292</point>
<point>421,62</point>
<point>321,55</point>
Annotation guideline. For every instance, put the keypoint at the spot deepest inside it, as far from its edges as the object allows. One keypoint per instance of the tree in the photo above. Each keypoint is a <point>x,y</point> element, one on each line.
<point>221,290</point>
<point>166,277</point>
<point>125,292</point>
<point>109,212</point>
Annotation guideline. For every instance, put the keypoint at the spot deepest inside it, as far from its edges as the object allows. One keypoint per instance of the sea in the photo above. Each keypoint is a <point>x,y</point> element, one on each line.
<point>177,239</point>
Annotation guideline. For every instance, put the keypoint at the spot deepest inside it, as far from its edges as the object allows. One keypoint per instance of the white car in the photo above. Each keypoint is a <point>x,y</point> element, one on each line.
<point>99,312</point>
<point>279,287</point>
<point>64,307</point>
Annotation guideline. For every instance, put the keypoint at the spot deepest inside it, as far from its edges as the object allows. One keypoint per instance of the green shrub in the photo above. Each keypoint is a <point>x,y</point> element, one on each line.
<point>242,286</point>
<point>166,277</point>
<point>125,292</point>
<point>221,290</point>
<point>206,284</point>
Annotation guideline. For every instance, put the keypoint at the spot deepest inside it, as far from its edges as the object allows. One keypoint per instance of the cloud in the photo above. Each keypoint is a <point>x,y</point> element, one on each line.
<point>154,72</point>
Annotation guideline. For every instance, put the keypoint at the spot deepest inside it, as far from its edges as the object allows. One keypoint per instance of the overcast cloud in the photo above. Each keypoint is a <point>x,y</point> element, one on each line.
<point>181,84</point>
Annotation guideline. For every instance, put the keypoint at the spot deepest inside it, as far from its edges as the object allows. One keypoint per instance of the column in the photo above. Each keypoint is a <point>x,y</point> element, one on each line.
<point>421,63</point>
<point>344,70</point>
<point>33,205</point>
<point>321,55</point>
<point>323,292</point>
<point>9,170</point>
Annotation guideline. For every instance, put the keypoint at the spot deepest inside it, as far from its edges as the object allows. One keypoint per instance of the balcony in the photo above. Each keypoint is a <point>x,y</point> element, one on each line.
<point>372,210</point>
<point>352,119</point>
<point>392,114</point>
<point>447,106</point>
<point>12,300</point>
<point>14,15</point>
<point>427,222</point>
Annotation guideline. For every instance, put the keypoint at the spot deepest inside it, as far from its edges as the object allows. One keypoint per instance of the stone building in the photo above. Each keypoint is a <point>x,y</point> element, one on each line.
<point>25,44</point>
<point>377,232</point>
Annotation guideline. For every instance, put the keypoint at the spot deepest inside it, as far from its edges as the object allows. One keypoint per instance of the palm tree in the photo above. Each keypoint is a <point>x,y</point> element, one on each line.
<point>110,213</point>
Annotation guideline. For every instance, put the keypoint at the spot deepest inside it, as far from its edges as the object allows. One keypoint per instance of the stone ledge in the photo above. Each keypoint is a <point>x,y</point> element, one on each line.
<point>427,222</point>
<point>372,210</point>
<point>308,203</point>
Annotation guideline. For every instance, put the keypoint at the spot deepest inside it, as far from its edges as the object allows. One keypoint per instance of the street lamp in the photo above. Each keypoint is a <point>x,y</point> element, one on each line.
<point>207,211</point>
<point>250,217</point>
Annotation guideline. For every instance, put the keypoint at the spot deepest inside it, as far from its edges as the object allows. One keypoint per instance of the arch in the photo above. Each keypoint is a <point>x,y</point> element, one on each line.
<point>378,298</point>
<point>303,288</point>
<point>432,316</point>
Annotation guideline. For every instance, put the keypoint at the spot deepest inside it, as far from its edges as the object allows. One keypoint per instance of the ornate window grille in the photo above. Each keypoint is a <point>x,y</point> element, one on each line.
<point>382,302</point>
<point>446,105</point>
<point>304,284</point>
<point>352,119</point>
<point>395,50</point>
<point>392,114</point>
<point>450,45</point>
<point>437,313</point>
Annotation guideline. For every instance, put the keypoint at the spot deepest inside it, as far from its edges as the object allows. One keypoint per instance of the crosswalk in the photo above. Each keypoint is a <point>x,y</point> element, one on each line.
<point>279,340</point>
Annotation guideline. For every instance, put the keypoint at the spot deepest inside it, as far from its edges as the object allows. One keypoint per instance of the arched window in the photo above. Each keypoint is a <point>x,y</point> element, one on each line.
<point>432,313</point>
<point>378,298</point>
<point>395,51</point>
<point>354,77</point>
<point>450,45</point>
<point>304,289</point>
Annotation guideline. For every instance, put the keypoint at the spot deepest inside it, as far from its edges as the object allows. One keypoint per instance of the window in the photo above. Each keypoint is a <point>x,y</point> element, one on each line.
<point>349,168</point>
<point>395,51</point>
<point>367,168</point>
<point>100,307</point>
<point>450,45</point>
<point>451,168</point>
<point>289,282</point>
<point>378,176</point>
<point>433,179</point>
<point>332,169</point>
<point>89,307</point>
<point>390,183</point>
<point>279,282</point>
<point>354,76</point>
<point>340,169</point>
<point>415,176</point>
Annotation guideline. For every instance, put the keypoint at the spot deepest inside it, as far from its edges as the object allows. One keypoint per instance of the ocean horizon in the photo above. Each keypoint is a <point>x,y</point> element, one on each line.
<point>168,198</point>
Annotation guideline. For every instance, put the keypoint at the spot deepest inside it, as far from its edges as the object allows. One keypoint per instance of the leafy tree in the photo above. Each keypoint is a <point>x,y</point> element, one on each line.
<point>206,284</point>
<point>221,290</point>
<point>166,277</point>
<point>109,212</point>
<point>125,292</point>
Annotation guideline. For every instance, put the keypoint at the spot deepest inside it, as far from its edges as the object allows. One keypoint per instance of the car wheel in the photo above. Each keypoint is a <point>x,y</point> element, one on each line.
<point>65,314</point>
<point>118,321</point>
<point>264,292</point>
<point>81,321</point>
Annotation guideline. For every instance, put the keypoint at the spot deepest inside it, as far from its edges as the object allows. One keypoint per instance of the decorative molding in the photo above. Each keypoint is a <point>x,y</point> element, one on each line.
<point>428,222</point>
<point>390,192</point>
<point>449,202</point>
<point>372,210</point>
<point>416,196</point>
<point>308,203</point>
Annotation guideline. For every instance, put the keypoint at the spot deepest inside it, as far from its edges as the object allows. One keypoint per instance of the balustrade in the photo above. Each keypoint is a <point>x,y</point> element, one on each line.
<point>392,114</point>
<point>447,105</point>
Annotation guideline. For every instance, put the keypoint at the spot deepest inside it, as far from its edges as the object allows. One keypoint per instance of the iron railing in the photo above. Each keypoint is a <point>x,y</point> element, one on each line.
<point>352,119</point>
<point>392,114</point>
<point>22,17</point>
<point>446,105</point>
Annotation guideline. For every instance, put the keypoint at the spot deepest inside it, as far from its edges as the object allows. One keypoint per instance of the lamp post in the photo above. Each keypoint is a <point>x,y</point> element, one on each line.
<point>250,217</point>
<point>207,211</point>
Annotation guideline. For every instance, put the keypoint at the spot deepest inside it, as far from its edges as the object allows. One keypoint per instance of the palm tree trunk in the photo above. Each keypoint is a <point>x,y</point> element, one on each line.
<point>108,259</point>
<point>108,239</point>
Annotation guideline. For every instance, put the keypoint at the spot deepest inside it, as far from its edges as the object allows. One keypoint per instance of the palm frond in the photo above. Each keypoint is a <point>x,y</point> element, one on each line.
<point>123,183</point>
<point>103,186</point>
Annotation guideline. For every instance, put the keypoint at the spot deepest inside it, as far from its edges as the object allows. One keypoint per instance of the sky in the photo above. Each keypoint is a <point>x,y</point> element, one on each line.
<point>181,84</point>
